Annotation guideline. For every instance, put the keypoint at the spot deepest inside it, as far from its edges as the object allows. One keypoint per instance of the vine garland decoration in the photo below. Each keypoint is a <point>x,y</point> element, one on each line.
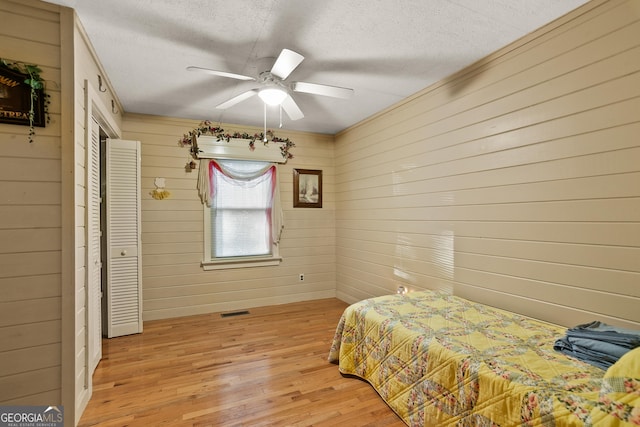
<point>206,128</point>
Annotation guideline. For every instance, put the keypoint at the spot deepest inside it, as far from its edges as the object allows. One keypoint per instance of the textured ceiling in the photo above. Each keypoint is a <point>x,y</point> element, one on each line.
<point>385,50</point>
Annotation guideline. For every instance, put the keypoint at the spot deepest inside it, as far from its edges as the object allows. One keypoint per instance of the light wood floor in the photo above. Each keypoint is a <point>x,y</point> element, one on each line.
<point>267,368</point>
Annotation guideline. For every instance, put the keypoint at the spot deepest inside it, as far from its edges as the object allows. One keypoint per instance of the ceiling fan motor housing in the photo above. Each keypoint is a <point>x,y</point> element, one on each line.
<point>268,79</point>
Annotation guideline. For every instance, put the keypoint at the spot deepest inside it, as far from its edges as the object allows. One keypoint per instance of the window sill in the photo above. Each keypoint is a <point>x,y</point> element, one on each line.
<point>240,263</point>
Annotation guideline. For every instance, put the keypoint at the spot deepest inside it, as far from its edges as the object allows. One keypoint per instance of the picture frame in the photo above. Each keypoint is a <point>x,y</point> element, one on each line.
<point>16,99</point>
<point>307,188</point>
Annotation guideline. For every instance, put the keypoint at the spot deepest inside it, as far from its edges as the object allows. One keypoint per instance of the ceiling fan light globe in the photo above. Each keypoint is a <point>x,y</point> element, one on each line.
<point>272,96</point>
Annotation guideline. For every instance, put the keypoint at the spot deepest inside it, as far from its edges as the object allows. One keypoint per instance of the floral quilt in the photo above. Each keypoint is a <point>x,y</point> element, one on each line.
<point>440,360</point>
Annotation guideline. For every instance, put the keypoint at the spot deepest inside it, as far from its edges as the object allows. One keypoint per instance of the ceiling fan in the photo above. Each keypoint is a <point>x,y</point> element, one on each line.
<point>273,90</point>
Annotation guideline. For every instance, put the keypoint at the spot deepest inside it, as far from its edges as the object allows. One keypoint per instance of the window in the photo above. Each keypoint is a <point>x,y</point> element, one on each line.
<point>242,214</point>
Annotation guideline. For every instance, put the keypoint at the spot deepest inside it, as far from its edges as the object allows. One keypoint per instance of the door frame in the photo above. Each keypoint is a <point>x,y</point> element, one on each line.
<point>95,109</point>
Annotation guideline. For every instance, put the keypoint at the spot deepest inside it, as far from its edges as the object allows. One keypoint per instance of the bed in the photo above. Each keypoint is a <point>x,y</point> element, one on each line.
<point>441,360</point>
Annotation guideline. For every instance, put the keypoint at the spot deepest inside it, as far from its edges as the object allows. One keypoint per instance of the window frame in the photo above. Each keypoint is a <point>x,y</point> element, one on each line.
<point>209,263</point>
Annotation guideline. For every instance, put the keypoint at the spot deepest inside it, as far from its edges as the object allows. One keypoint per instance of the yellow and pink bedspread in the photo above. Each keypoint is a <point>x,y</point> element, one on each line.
<point>440,360</point>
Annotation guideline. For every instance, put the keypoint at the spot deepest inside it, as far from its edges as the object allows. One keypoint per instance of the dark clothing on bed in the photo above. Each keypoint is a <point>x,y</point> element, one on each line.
<point>597,343</point>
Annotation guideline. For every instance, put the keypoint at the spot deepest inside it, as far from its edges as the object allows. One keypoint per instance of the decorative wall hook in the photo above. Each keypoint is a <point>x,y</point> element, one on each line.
<point>100,88</point>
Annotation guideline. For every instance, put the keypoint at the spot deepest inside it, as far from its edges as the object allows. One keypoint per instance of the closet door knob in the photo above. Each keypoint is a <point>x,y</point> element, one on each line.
<point>123,253</point>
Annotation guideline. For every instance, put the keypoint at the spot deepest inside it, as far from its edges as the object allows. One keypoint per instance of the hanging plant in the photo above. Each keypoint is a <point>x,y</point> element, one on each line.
<point>205,128</point>
<point>37,86</point>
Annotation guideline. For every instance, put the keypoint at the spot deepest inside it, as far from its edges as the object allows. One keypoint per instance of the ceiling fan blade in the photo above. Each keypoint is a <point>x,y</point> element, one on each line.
<point>291,108</point>
<point>220,73</point>
<point>236,99</point>
<point>325,90</point>
<point>287,61</point>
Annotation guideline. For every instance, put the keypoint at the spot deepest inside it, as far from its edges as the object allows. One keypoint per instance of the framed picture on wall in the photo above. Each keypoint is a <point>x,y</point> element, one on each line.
<point>307,188</point>
<point>17,101</point>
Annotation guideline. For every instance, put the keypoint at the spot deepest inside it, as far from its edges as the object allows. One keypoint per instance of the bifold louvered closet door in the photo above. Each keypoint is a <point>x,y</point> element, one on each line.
<point>124,263</point>
<point>94,262</point>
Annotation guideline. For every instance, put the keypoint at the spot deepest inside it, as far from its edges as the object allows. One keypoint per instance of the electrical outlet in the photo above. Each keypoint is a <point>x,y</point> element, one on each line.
<point>301,277</point>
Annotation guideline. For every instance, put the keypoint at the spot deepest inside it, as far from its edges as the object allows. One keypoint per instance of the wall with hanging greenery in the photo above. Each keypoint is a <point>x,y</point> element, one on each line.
<point>30,219</point>
<point>174,283</point>
<point>42,216</point>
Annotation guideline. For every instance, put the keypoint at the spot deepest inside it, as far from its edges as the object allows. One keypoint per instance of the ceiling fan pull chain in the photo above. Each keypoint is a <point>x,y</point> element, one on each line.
<point>264,138</point>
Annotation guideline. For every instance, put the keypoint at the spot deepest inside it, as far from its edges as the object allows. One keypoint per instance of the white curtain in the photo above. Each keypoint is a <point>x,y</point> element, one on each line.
<point>203,182</point>
<point>214,173</point>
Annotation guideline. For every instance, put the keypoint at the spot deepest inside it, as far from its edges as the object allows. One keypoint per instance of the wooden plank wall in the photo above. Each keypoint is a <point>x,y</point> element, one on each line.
<point>174,284</point>
<point>41,213</point>
<point>30,220</point>
<point>515,182</point>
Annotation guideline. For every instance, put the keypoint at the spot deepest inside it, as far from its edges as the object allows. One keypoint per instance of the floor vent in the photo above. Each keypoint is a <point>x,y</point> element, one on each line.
<point>234,313</point>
